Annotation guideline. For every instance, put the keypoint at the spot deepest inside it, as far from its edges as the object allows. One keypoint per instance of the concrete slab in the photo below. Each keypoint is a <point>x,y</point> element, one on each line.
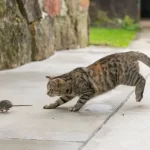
<point>27,85</point>
<point>129,128</point>
<point>59,124</point>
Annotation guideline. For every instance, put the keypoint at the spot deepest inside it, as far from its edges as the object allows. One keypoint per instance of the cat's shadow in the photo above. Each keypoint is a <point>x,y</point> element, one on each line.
<point>137,108</point>
<point>64,111</point>
<point>5,113</point>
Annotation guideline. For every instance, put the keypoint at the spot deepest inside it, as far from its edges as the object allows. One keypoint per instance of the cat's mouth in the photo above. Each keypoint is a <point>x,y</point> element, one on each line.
<point>51,95</point>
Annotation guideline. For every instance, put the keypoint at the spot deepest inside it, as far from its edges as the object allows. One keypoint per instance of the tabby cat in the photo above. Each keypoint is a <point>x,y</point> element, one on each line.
<point>98,78</point>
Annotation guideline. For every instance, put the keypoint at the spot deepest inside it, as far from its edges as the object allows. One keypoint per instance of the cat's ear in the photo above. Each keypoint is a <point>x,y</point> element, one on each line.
<point>59,81</point>
<point>49,77</point>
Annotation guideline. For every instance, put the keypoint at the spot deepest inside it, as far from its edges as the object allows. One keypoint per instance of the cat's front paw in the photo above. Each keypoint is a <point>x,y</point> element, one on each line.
<point>48,107</point>
<point>73,109</point>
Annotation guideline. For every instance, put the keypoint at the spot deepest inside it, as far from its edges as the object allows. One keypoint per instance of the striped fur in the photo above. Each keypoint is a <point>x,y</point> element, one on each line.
<point>98,78</point>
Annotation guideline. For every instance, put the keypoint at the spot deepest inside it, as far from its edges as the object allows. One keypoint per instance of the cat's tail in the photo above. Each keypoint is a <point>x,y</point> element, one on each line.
<point>140,56</point>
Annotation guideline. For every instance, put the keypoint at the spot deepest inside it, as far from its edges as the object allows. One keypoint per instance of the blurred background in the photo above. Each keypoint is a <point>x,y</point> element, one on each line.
<point>32,30</point>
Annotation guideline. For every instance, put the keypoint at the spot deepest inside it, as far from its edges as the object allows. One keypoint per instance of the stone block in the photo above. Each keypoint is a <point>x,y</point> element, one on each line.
<point>52,7</point>
<point>42,38</point>
<point>30,9</point>
<point>15,38</point>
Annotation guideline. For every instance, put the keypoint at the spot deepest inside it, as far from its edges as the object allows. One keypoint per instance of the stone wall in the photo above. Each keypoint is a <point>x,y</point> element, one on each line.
<point>31,30</point>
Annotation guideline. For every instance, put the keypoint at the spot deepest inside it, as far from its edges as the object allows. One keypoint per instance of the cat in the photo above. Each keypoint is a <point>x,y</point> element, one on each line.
<point>98,78</point>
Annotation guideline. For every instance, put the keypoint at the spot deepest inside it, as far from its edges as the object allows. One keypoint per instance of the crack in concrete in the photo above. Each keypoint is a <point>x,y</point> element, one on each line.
<point>43,140</point>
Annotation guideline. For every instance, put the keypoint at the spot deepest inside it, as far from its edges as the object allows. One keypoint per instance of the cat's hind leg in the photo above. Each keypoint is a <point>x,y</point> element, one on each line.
<point>137,80</point>
<point>140,85</point>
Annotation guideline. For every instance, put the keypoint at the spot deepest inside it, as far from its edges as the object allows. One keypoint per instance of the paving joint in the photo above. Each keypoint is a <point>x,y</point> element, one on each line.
<point>43,140</point>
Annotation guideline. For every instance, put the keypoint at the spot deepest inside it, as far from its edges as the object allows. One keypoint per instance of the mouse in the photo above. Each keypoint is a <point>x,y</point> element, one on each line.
<point>6,105</point>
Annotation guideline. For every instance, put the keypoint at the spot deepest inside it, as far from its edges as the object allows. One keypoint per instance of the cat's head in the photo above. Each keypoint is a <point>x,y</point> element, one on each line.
<point>56,87</point>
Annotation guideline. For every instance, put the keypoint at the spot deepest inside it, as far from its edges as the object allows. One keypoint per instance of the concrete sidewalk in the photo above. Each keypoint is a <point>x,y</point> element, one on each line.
<point>30,128</point>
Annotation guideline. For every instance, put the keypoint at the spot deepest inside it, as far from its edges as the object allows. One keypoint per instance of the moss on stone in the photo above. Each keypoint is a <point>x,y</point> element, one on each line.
<point>15,42</point>
<point>2,7</point>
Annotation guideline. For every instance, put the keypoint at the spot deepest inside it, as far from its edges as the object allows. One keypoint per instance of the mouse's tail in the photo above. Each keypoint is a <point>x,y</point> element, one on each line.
<point>21,105</point>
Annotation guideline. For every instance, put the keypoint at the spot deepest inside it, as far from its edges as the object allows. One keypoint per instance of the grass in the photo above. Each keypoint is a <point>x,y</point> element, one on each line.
<point>111,37</point>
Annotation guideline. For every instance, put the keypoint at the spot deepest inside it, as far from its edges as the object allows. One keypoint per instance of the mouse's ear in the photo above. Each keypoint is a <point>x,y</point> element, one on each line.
<point>49,77</point>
